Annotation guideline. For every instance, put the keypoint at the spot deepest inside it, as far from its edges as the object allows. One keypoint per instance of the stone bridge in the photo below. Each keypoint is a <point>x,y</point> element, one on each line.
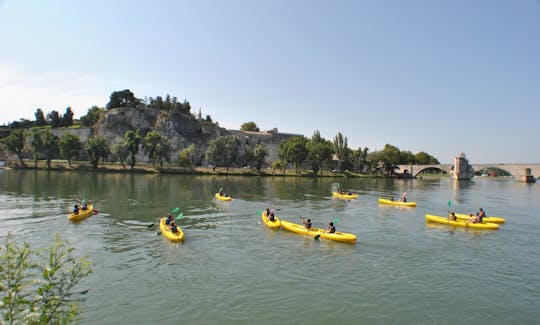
<point>515,170</point>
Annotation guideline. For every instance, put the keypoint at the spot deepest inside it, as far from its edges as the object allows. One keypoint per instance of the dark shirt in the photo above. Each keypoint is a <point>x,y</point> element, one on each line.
<point>332,229</point>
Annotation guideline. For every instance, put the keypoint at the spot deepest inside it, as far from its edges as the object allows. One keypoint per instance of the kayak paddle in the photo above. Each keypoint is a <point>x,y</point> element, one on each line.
<point>178,216</point>
<point>336,220</point>
<point>173,211</point>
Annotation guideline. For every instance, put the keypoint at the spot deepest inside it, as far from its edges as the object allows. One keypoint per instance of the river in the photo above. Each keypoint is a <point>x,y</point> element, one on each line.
<point>231,269</point>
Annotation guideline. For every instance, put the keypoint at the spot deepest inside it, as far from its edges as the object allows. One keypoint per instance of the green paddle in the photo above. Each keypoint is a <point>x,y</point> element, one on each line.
<point>173,211</point>
<point>178,216</point>
<point>336,220</point>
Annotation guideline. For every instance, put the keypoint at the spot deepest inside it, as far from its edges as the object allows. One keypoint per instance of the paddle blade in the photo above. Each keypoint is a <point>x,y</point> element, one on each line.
<point>259,213</point>
<point>220,189</point>
<point>151,225</point>
<point>179,216</point>
<point>317,237</point>
<point>83,201</point>
<point>449,203</point>
<point>336,220</point>
<point>175,210</point>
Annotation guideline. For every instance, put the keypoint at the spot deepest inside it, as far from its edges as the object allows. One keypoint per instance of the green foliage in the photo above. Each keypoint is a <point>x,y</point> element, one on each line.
<point>186,157</point>
<point>249,157</point>
<point>70,147</point>
<point>157,148</point>
<point>97,148</point>
<point>342,151</point>
<point>14,142</point>
<point>54,119</point>
<point>407,157</point>
<point>169,104</point>
<point>40,292</point>
<point>279,164</point>
<point>92,116</point>
<point>223,151</point>
<point>50,146</point>
<point>123,98</point>
<point>359,159</point>
<point>133,140</point>
<point>36,144</point>
<point>40,118</point>
<point>120,152</point>
<point>293,150</point>
<point>320,151</point>
<point>67,118</point>
<point>249,126</point>
<point>259,155</point>
<point>423,158</point>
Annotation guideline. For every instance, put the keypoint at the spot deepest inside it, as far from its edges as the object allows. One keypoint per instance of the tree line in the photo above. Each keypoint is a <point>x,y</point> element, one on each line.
<point>298,152</point>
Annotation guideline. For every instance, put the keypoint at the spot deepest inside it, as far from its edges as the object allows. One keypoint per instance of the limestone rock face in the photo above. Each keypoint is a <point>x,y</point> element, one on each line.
<point>180,129</point>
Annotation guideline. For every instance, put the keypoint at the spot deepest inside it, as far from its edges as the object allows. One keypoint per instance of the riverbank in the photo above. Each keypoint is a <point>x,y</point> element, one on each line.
<point>144,168</point>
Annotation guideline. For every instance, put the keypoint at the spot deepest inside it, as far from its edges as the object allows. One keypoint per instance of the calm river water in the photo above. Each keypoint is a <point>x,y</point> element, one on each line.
<point>231,269</point>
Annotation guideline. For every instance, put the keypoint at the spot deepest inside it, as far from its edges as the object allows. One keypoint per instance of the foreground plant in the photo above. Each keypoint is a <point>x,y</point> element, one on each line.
<point>38,287</point>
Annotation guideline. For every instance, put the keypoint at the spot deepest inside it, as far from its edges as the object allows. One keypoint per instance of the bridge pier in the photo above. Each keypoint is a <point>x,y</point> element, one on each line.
<point>528,177</point>
<point>462,170</point>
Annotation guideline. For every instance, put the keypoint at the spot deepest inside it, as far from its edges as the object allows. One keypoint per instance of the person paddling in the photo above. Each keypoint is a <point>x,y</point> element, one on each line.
<point>331,228</point>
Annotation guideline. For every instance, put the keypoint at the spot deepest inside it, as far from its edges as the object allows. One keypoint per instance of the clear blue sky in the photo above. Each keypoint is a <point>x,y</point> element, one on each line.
<point>443,77</point>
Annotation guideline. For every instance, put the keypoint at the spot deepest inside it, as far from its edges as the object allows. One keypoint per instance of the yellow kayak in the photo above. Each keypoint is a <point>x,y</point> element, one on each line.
<point>271,224</point>
<point>461,216</point>
<point>312,232</point>
<point>344,195</point>
<point>82,213</point>
<point>222,197</point>
<point>405,204</point>
<point>460,223</point>
<point>166,231</point>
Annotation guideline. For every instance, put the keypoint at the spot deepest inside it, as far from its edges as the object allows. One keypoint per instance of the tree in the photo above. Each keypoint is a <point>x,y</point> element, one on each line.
<point>38,288</point>
<point>123,98</point>
<point>40,118</point>
<point>259,156</point>
<point>341,149</point>
<point>279,164</point>
<point>249,126</point>
<point>186,156</point>
<point>359,159</point>
<point>390,157</point>
<point>14,142</point>
<point>36,144</point>
<point>319,150</point>
<point>157,148</point>
<point>223,151</point>
<point>186,106</point>
<point>120,152</point>
<point>50,147</point>
<point>423,158</point>
<point>54,119</point>
<point>67,118</point>
<point>249,157</point>
<point>70,147</point>
<point>406,157</point>
<point>92,116</point>
<point>293,150</point>
<point>133,140</point>
<point>97,148</point>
